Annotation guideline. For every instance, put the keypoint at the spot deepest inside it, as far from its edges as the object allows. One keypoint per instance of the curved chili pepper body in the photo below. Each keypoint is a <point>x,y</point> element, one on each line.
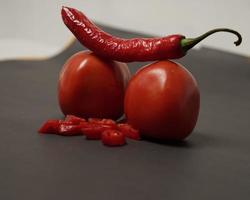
<point>129,50</point>
<point>124,50</point>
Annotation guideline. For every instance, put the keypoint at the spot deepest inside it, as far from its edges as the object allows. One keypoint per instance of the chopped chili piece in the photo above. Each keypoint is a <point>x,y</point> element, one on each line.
<point>69,129</point>
<point>107,130</point>
<point>129,131</point>
<point>93,131</point>
<point>74,119</point>
<point>102,121</point>
<point>113,138</point>
<point>60,127</point>
<point>51,126</point>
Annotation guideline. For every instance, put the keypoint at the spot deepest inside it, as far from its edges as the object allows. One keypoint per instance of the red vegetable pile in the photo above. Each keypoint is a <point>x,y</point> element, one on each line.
<point>107,130</point>
<point>161,100</point>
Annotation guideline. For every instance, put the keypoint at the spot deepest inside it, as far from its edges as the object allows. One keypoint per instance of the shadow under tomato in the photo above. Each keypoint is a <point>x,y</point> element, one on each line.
<point>211,140</point>
<point>195,140</point>
<point>174,143</point>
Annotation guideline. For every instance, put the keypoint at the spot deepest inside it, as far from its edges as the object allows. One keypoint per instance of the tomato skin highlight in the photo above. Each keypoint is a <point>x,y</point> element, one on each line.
<point>90,86</point>
<point>113,138</point>
<point>162,101</point>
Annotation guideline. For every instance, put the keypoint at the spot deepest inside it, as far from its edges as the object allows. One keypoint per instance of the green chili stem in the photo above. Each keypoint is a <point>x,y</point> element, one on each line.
<point>188,43</point>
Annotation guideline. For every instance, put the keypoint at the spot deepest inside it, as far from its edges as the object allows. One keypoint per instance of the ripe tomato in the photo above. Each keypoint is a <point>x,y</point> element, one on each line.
<point>90,86</point>
<point>162,101</point>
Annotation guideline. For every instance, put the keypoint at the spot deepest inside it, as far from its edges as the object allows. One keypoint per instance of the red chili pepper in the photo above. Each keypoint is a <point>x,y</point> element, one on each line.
<point>113,138</point>
<point>129,50</point>
<point>129,131</point>
<point>74,120</point>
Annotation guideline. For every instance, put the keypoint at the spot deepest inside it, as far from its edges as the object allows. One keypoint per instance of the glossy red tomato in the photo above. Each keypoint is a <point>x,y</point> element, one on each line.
<point>162,101</point>
<point>90,86</point>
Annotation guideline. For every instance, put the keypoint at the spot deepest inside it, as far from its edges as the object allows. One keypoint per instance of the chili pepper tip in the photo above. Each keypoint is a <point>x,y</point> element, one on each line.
<point>188,43</point>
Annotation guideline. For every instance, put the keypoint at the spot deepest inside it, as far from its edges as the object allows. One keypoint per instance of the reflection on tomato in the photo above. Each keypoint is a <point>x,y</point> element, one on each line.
<point>162,101</point>
<point>90,86</point>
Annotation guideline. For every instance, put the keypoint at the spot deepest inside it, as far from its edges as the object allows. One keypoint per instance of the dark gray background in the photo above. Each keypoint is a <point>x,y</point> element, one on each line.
<point>214,162</point>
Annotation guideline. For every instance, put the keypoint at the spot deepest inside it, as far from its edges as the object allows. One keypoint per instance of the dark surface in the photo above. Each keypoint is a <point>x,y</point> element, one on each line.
<point>214,163</point>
